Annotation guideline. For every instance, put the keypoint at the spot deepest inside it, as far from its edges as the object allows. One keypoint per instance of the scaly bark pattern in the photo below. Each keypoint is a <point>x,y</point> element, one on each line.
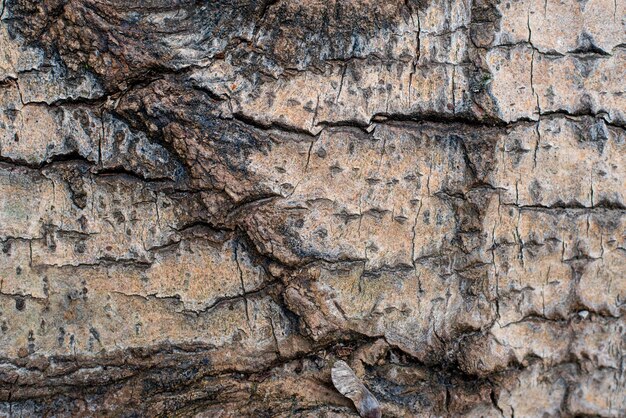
<point>205,205</point>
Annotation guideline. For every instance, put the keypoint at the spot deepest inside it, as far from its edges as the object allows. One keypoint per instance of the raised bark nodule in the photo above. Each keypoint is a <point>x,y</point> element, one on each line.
<point>205,205</point>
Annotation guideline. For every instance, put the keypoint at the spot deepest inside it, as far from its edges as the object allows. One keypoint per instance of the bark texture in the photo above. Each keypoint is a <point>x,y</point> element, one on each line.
<point>204,205</point>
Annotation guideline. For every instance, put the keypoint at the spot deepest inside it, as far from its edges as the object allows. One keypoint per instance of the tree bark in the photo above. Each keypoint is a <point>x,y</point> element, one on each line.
<point>205,205</point>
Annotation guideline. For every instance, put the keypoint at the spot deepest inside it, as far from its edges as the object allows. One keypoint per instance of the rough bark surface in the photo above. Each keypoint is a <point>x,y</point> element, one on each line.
<point>205,204</point>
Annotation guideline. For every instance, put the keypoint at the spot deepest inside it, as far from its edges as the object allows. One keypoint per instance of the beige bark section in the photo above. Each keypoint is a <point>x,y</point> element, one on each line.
<point>563,26</point>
